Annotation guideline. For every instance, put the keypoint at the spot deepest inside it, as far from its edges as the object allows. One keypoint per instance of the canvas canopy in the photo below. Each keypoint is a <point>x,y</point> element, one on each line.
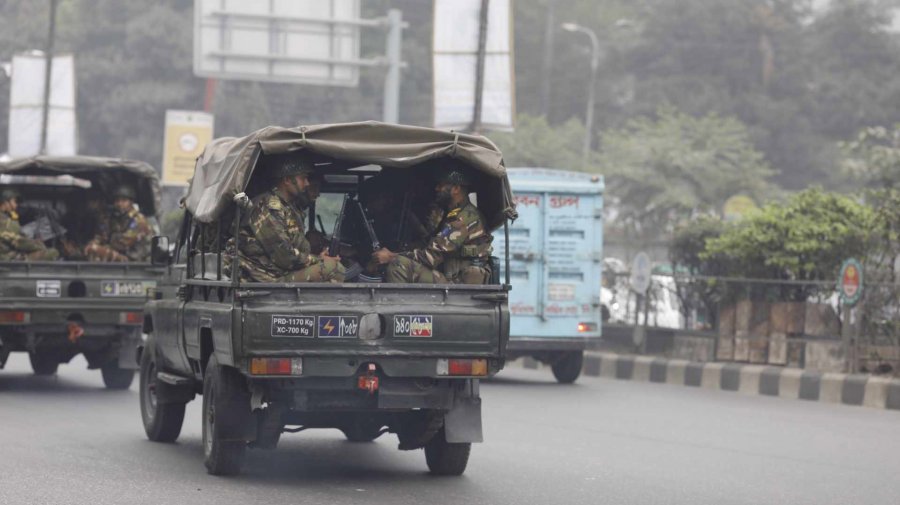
<point>227,164</point>
<point>104,173</point>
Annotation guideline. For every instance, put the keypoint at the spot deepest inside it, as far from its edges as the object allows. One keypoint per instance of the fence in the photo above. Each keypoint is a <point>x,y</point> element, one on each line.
<point>766,321</point>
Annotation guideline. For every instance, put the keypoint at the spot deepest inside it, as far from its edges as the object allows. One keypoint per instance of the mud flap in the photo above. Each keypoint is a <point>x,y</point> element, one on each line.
<point>128,349</point>
<point>463,422</point>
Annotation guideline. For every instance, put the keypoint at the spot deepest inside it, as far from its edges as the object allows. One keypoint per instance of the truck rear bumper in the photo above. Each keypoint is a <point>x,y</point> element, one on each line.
<point>519,347</point>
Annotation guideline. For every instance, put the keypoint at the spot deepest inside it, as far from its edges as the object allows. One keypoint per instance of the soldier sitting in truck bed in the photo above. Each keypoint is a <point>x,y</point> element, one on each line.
<point>458,252</point>
<point>126,237</point>
<point>273,246</point>
<point>15,246</point>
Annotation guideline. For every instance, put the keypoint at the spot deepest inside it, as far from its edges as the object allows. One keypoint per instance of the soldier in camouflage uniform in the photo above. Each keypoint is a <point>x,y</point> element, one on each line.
<point>458,252</point>
<point>14,246</point>
<point>125,236</point>
<point>273,246</point>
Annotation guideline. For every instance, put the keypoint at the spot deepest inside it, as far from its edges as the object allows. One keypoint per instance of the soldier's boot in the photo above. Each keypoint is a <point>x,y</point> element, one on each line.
<point>44,255</point>
<point>403,270</point>
<point>328,270</point>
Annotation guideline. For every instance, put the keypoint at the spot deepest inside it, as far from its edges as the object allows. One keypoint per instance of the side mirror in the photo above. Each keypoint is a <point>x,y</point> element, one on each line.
<point>160,253</point>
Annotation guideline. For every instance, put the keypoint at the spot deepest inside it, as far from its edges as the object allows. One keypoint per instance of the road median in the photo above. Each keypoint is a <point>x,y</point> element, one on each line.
<point>848,389</point>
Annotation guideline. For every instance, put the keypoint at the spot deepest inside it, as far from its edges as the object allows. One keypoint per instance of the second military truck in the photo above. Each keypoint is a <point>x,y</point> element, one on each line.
<point>281,357</point>
<point>55,310</point>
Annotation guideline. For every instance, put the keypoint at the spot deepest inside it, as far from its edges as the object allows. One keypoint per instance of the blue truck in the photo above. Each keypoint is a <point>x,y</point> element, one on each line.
<point>556,261</point>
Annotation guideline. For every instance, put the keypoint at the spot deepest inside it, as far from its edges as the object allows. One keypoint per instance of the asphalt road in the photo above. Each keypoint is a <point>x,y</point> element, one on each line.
<point>66,440</point>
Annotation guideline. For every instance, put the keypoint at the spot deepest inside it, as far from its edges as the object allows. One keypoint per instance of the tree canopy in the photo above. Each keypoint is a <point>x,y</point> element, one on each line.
<point>664,170</point>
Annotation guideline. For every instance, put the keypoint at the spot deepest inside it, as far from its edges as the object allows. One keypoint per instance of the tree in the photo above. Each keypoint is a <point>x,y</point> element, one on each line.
<point>688,245</point>
<point>535,143</point>
<point>805,238</point>
<point>663,170</point>
<point>872,159</point>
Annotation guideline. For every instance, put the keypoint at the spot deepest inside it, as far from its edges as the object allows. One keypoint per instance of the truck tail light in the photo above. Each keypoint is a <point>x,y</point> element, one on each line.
<point>464,367</point>
<point>276,366</point>
<point>585,327</point>
<point>14,317</point>
<point>131,317</point>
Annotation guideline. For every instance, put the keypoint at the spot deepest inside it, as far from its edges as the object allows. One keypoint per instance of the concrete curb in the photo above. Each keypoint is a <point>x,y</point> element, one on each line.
<point>862,390</point>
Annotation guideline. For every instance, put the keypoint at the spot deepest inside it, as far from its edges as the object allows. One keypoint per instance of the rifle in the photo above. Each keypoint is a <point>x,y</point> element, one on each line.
<point>404,213</point>
<point>373,238</point>
<point>334,247</point>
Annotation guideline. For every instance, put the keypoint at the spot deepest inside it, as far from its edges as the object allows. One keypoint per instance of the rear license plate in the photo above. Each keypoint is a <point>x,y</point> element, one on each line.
<point>125,288</point>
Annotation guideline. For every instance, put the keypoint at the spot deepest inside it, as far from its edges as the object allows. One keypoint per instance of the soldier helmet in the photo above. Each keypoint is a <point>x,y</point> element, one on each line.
<point>7,194</point>
<point>125,191</point>
<point>456,177</point>
<point>296,167</point>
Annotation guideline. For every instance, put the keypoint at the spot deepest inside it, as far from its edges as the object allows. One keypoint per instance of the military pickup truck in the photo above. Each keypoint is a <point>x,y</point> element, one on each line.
<point>367,358</point>
<point>55,310</point>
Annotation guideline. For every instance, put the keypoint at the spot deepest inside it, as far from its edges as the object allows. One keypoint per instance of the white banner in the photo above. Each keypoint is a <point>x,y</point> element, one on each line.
<point>455,57</point>
<point>26,100</point>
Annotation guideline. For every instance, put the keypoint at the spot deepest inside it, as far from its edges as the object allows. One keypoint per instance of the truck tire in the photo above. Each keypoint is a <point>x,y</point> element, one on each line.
<point>162,421</point>
<point>444,458</point>
<point>223,456</point>
<point>362,430</point>
<point>568,368</point>
<point>43,364</point>
<point>115,377</point>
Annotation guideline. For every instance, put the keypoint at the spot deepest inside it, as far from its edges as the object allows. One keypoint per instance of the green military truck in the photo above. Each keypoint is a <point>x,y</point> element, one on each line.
<point>55,310</point>
<point>367,358</point>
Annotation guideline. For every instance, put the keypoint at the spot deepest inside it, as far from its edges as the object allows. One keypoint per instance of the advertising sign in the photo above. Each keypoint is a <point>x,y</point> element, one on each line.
<point>455,58</point>
<point>26,106</point>
<point>187,133</point>
<point>292,41</point>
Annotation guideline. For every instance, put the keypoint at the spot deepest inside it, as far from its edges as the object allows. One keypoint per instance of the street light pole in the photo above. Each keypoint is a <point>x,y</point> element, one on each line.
<point>595,64</point>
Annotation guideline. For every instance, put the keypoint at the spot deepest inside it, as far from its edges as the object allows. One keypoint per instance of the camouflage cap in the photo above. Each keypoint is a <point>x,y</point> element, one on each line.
<point>7,194</point>
<point>124,191</point>
<point>296,167</point>
<point>455,176</point>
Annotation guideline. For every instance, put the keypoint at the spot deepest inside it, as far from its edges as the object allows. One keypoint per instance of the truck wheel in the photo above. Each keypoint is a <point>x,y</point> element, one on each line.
<point>568,368</point>
<point>221,385</point>
<point>115,377</point>
<point>362,430</point>
<point>162,421</point>
<point>43,364</point>
<point>444,458</point>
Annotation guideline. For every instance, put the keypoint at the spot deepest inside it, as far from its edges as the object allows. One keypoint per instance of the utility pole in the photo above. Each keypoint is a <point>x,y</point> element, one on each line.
<point>391,112</point>
<point>479,68</point>
<point>48,70</point>
<point>589,112</point>
<point>546,66</point>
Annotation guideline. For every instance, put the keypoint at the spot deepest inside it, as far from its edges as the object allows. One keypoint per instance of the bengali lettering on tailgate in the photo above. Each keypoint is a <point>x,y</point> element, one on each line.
<point>413,326</point>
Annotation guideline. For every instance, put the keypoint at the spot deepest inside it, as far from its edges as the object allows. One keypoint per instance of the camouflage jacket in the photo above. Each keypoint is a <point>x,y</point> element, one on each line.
<point>460,239</point>
<point>124,237</point>
<point>13,244</point>
<point>272,239</point>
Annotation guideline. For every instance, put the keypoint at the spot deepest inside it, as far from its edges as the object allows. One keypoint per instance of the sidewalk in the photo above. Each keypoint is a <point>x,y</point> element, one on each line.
<point>865,390</point>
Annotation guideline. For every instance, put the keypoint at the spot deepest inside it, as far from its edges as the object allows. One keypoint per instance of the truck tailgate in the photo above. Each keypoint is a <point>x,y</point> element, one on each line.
<point>377,320</point>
